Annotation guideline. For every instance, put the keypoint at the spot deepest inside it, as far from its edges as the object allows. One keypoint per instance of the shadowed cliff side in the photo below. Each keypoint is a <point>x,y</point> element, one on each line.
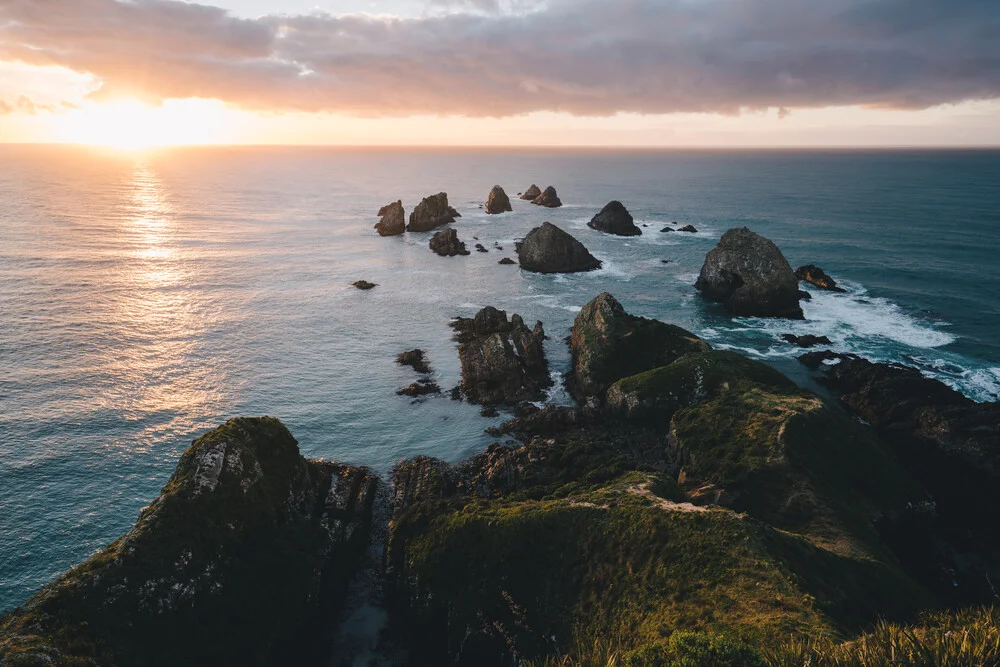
<point>242,559</point>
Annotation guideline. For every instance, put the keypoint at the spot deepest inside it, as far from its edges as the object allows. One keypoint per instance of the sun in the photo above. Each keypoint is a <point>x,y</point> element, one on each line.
<point>130,124</point>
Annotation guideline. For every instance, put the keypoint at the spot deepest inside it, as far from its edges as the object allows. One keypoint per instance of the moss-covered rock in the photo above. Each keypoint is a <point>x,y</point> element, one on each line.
<point>655,395</point>
<point>608,344</point>
<point>240,560</point>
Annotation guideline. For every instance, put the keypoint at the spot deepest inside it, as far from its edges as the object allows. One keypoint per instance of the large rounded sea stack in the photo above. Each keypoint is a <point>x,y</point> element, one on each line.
<point>393,222</point>
<point>432,212</point>
<point>749,276</point>
<point>531,193</point>
<point>498,201</point>
<point>548,198</point>
<point>615,219</point>
<point>548,249</point>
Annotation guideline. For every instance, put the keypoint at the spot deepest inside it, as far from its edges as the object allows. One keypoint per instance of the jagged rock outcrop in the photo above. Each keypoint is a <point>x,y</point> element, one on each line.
<point>431,212</point>
<point>447,244</point>
<point>242,559</point>
<point>608,344</point>
<point>393,220</point>
<point>615,219</point>
<point>749,276</point>
<point>816,276</point>
<point>503,363</point>
<point>531,193</point>
<point>807,340</point>
<point>415,359</point>
<point>689,229</point>
<point>548,249</point>
<point>498,201</point>
<point>548,198</point>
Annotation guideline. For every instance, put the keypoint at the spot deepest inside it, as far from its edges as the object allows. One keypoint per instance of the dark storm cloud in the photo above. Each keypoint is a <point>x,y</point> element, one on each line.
<point>592,57</point>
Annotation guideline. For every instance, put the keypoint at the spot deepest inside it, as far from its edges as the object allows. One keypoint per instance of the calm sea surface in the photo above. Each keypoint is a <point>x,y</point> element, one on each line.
<point>147,297</point>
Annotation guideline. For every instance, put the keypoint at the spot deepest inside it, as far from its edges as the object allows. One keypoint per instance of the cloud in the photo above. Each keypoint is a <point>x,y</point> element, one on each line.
<point>24,105</point>
<point>585,57</point>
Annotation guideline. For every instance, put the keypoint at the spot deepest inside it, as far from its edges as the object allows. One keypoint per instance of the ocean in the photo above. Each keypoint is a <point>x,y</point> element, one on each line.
<point>147,297</point>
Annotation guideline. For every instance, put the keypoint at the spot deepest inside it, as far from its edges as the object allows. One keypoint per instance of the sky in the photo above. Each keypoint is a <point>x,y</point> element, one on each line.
<point>712,73</point>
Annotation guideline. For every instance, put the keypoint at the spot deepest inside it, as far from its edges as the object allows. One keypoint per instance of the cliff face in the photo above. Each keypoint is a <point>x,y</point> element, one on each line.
<point>238,561</point>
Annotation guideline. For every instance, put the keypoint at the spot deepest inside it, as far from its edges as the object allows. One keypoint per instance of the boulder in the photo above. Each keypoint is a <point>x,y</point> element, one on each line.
<point>502,362</point>
<point>531,193</point>
<point>431,212</point>
<point>498,201</point>
<point>608,344</point>
<point>808,340</point>
<point>816,276</point>
<point>364,285</point>
<point>446,244</point>
<point>506,261</point>
<point>415,359</point>
<point>750,277</point>
<point>246,554</point>
<point>615,219</point>
<point>393,220</point>
<point>417,389</point>
<point>548,198</point>
<point>548,249</point>
<point>668,229</point>
<point>481,248</point>
<point>689,229</point>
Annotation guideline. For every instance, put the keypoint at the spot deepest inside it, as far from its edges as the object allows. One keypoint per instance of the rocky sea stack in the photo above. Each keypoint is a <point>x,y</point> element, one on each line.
<point>816,276</point>
<point>498,201</point>
<point>393,222</point>
<point>503,363</point>
<point>531,193</point>
<point>750,277</point>
<point>242,559</point>
<point>548,198</point>
<point>447,244</point>
<point>615,219</point>
<point>432,212</point>
<point>548,249</point>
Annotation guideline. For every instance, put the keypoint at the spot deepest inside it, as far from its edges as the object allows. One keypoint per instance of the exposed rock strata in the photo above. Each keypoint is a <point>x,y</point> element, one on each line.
<point>502,362</point>
<point>393,220</point>
<point>431,212</point>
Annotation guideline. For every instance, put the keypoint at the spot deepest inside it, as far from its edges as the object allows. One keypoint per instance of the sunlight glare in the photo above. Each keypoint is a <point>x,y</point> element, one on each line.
<point>130,124</point>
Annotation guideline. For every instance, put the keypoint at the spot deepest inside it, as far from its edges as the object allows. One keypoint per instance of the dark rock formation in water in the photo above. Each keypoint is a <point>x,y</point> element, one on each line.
<point>506,261</point>
<point>241,560</point>
<point>615,219</point>
<point>608,344</point>
<point>393,220</point>
<point>420,388</point>
<point>364,285</point>
<point>689,229</point>
<point>816,276</point>
<point>446,244</point>
<point>431,212</point>
<point>531,193</point>
<point>481,248</point>
<point>498,201</point>
<point>807,340</point>
<point>548,198</point>
<point>749,276</point>
<point>415,359</point>
<point>502,362</point>
<point>548,249</point>
<point>668,229</point>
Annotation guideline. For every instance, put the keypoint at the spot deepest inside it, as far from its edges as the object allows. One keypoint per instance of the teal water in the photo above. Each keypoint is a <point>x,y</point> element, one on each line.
<point>147,297</point>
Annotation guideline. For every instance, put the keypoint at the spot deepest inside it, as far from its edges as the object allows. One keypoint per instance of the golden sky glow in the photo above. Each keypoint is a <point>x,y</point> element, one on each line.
<point>131,124</point>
